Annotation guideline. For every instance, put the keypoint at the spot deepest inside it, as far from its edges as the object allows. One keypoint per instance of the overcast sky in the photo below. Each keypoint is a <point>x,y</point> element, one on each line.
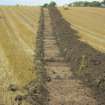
<point>37,2</point>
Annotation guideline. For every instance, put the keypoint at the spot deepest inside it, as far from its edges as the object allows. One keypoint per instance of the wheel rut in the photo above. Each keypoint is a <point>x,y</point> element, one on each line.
<point>63,87</point>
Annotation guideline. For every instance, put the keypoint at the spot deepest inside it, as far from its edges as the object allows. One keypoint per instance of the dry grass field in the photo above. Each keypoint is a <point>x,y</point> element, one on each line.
<point>89,23</point>
<point>18,29</point>
<point>70,57</point>
<point>80,36</point>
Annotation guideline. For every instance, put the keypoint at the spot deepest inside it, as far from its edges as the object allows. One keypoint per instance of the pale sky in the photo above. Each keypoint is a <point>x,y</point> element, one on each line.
<point>37,2</point>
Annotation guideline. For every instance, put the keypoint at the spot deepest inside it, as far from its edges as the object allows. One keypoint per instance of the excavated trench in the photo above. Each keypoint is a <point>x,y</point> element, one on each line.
<point>63,88</point>
<point>64,65</point>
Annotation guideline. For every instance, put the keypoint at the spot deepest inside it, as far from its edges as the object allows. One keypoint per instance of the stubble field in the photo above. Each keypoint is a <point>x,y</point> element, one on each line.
<point>90,24</point>
<point>18,35</point>
<point>18,30</point>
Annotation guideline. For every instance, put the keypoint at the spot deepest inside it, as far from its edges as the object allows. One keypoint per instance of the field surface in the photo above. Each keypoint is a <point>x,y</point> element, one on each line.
<point>18,30</point>
<point>52,56</point>
<point>89,23</point>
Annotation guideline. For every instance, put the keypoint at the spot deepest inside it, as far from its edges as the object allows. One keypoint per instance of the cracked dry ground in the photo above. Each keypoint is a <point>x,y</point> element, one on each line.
<point>63,87</point>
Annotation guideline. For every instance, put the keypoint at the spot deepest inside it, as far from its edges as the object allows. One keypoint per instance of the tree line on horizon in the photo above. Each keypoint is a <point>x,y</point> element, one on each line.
<point>88,4</point>
<point>51,4</point>
<point>79,4</point>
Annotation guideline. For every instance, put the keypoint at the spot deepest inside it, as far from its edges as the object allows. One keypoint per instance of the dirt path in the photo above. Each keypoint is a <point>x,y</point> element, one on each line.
<point>63,87</point>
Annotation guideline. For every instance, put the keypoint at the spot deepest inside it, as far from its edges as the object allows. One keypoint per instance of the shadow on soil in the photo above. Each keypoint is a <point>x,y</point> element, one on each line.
<point>88,64</point>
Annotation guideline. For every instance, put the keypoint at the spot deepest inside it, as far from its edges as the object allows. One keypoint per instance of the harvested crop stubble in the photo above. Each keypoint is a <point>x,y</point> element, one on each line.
<point>17,45</point>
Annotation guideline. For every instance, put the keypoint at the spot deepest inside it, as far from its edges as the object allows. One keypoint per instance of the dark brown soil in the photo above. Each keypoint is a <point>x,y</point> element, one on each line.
<point>86,64</point>
<point>63,87</point>
<point>70,72</point>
